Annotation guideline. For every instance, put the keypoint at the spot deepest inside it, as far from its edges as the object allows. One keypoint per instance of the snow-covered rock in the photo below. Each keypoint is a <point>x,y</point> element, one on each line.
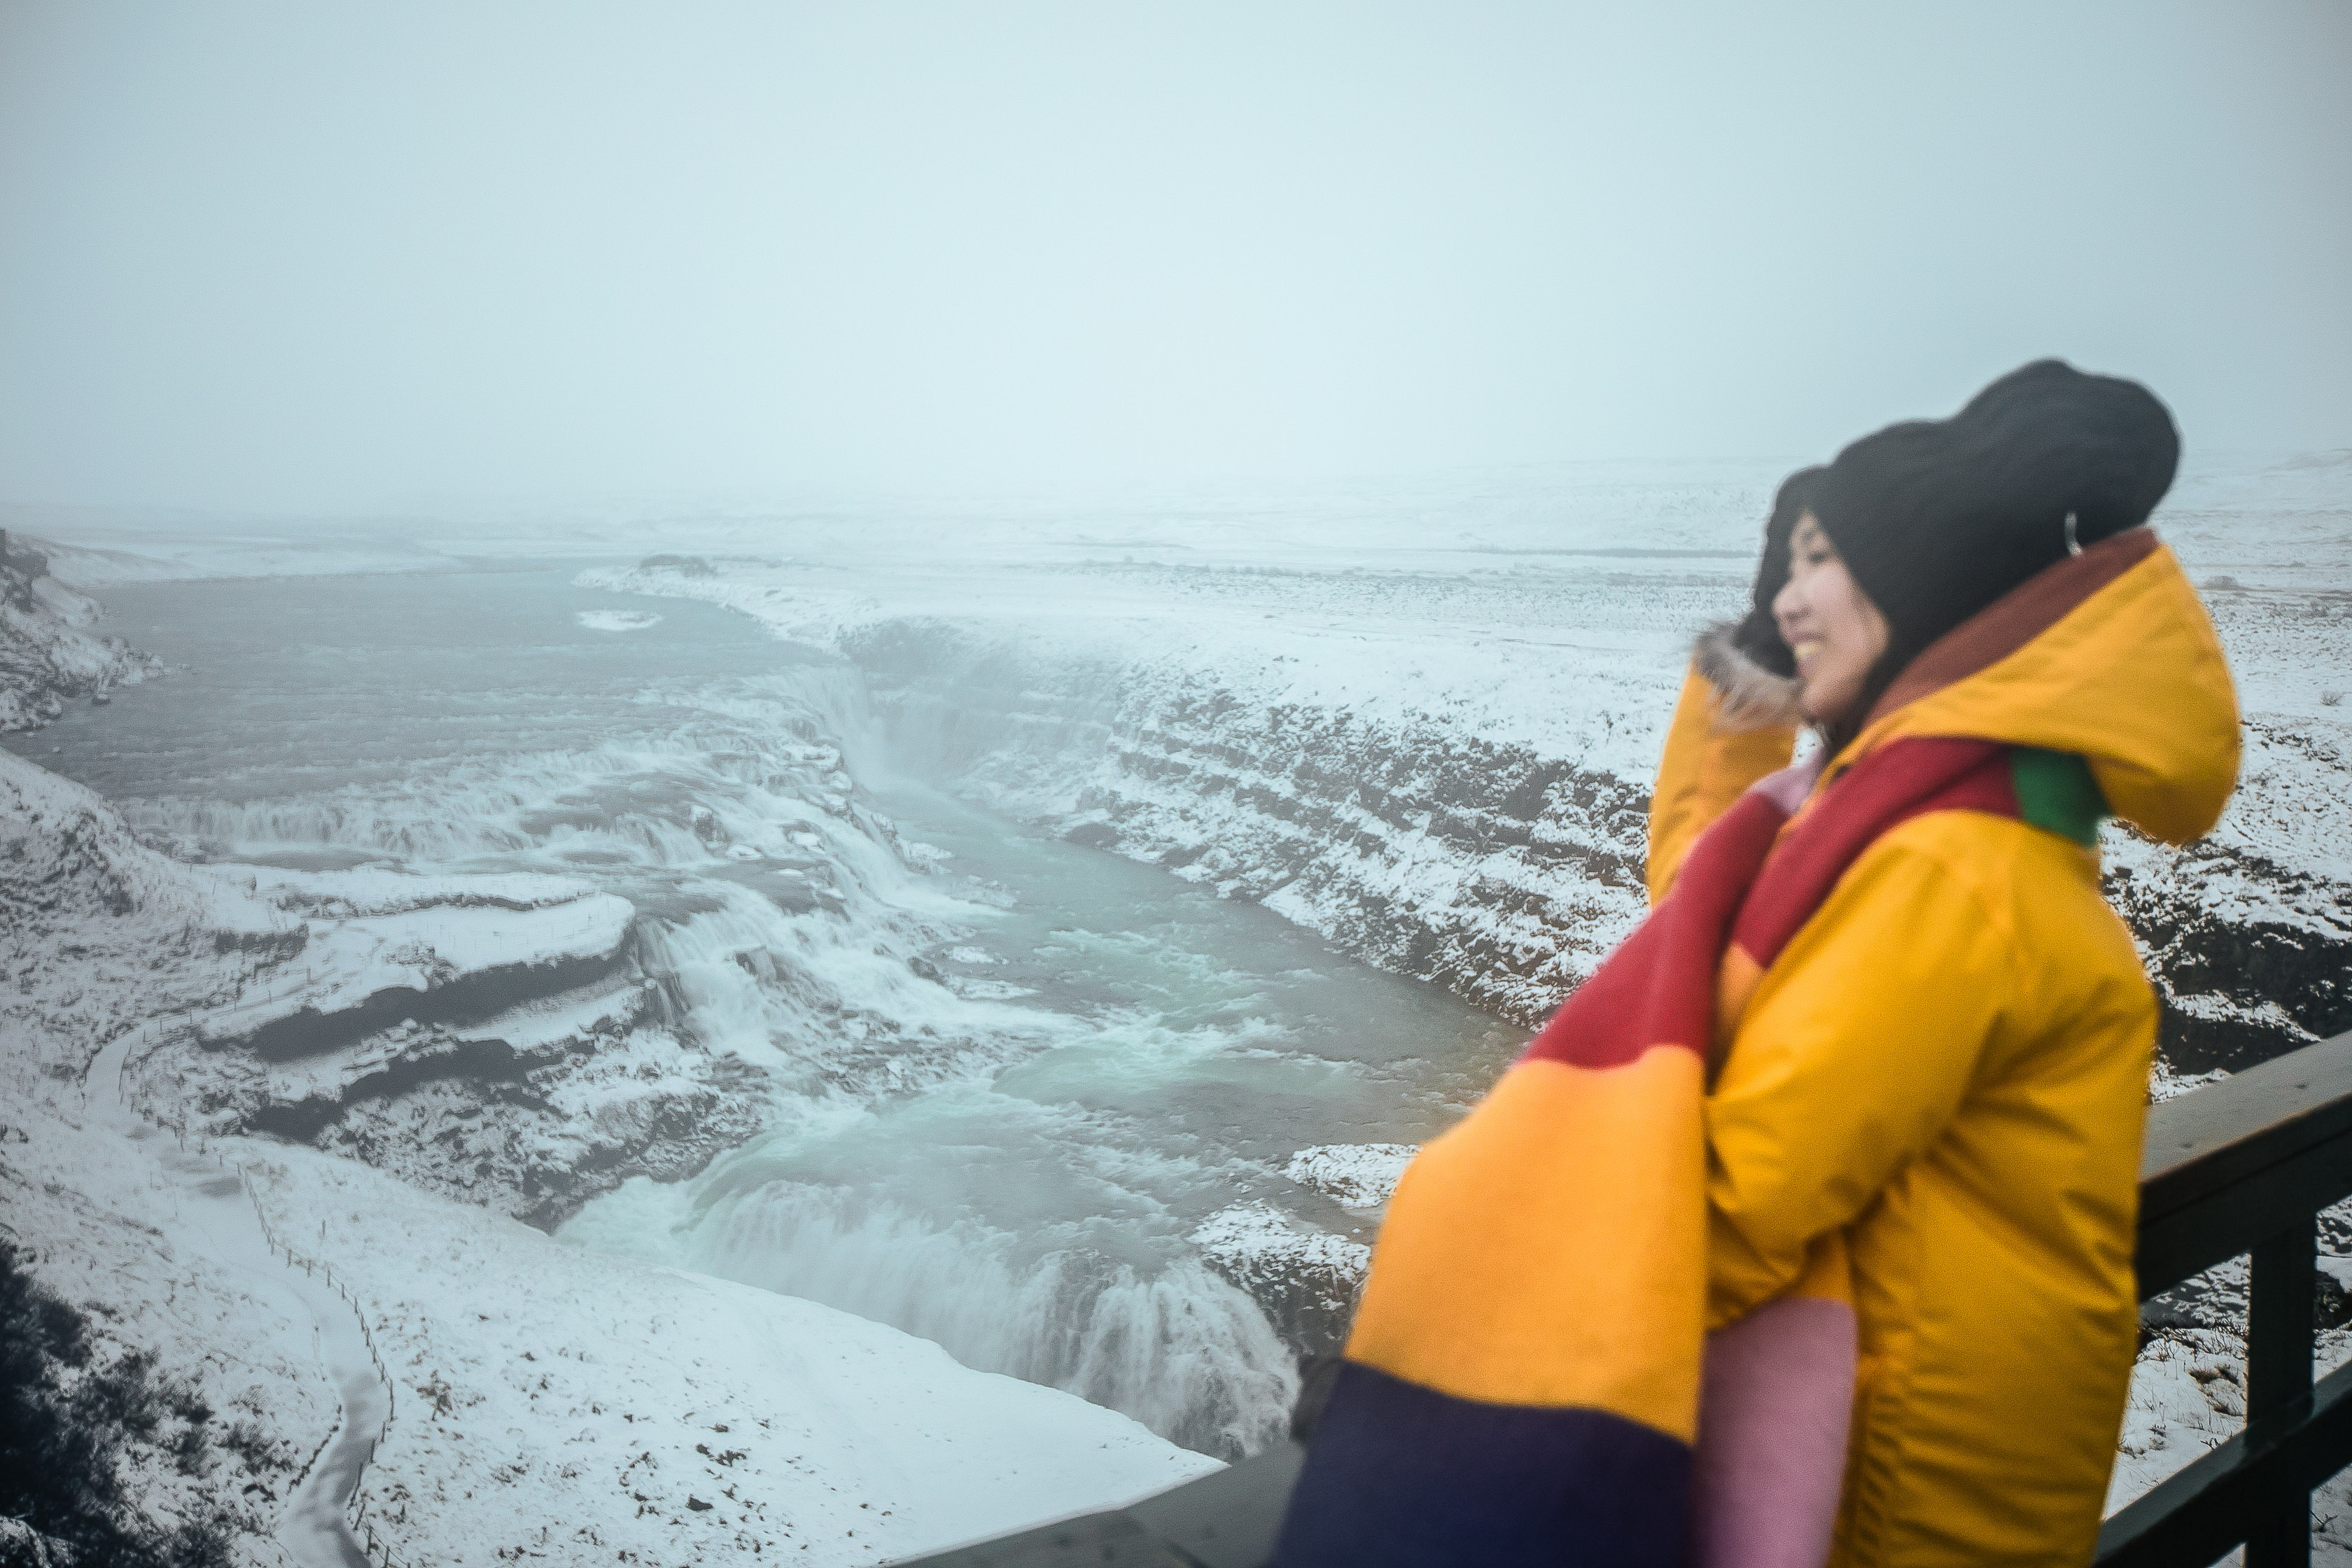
<point>48,652</point>
<point>486,1036</point>
<point>1304,1280</point>
<point>1355,1175</point>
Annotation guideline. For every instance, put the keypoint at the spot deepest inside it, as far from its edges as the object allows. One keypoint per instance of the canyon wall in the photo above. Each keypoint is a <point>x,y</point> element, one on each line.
<point>1503,872</point>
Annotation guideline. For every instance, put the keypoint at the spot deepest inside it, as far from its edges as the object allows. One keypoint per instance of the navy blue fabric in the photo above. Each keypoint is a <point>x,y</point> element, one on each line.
<point>1400,1477</point>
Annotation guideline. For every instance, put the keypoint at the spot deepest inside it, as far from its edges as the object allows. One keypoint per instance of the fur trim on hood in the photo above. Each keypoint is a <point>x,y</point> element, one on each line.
<point>1748,696</point>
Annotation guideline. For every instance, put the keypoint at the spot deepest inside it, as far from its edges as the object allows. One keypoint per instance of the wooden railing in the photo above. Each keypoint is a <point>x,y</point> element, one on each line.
<point>2243,1165</point>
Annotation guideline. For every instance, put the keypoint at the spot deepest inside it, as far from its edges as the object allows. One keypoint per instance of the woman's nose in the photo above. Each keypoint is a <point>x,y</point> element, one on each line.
<point>1787,603</point>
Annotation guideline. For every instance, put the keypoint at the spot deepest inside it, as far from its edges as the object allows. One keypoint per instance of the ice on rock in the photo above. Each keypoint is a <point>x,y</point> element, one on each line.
<point>618,620</point>
<point>1357,1176</point>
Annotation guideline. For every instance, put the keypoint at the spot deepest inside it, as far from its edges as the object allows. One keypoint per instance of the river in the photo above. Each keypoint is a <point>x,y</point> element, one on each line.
<point>1013,1076</point>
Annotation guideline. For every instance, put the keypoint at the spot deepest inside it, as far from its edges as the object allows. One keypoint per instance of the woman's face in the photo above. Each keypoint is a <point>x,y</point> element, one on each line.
<point>1836,633</point>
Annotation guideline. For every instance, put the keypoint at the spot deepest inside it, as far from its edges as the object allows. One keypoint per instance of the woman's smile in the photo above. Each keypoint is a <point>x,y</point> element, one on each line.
<point>1835,632</point>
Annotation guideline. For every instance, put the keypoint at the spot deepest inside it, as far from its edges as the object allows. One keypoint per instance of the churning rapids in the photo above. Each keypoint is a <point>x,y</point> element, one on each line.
<point>1014,1090</point>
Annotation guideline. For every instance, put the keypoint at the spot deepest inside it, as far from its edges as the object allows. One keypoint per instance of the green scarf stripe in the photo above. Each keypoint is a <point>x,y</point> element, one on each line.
<point>2055,791</point>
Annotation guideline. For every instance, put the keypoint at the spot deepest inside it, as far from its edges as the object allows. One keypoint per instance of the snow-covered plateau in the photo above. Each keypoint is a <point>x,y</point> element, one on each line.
<point>579,991</point>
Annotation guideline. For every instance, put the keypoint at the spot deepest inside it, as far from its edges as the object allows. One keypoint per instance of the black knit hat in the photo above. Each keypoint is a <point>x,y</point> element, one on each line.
<point>1938,518</point>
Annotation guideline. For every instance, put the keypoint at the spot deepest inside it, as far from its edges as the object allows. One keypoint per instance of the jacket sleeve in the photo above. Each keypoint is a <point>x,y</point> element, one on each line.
<point>1854,1057</point>
<point>1701,774</point>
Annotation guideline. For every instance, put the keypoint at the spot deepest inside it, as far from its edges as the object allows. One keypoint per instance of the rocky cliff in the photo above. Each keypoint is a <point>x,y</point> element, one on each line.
<point>49,654</point>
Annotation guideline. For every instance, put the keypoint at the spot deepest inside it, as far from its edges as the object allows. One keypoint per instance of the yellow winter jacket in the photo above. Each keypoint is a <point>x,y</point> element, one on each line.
<point>1947,1065</point>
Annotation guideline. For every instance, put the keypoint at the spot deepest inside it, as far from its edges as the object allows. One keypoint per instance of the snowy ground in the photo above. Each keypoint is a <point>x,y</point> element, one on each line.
<point>546,1400</point>
<point>555,1402</point>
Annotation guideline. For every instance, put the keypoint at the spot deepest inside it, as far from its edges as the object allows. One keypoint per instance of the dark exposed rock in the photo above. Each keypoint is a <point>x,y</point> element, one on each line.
<point>2250,960</point>
<point>465,998</point>
<point>683,565</point>
<point>1305,1281</point>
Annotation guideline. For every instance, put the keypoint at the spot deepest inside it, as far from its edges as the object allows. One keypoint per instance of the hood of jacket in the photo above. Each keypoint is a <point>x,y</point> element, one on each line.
<point>2108,655</point>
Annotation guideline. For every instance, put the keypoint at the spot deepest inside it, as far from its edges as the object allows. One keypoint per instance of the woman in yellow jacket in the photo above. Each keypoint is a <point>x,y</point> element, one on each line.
<point>1947,1068</point>
<point>1837,1153</point>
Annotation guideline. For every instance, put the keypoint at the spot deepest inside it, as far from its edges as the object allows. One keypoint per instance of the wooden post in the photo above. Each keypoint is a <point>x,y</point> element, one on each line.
<point>2279,1325</point>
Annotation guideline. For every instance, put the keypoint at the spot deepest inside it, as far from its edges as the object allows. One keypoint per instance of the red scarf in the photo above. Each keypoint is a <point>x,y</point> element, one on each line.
<point>1524,1382</point>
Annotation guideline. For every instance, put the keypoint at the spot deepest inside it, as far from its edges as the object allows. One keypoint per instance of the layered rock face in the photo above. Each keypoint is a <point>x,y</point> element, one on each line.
<point>493,1038</point>
<point>490,1038</point>
<point>1479,865</point>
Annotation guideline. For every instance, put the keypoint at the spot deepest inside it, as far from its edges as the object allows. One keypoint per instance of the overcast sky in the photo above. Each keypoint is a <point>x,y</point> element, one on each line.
<point>348,256</point>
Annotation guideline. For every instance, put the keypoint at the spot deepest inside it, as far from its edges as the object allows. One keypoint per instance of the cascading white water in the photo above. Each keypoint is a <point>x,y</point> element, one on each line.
<point>1160,1337</point>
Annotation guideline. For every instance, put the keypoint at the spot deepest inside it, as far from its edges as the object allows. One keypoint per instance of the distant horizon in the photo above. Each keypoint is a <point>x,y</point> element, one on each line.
<point>2195,464</point>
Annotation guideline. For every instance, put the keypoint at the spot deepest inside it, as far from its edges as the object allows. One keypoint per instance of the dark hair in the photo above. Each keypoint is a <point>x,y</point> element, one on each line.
<point>1758,634</point>
<point>1936,518</point>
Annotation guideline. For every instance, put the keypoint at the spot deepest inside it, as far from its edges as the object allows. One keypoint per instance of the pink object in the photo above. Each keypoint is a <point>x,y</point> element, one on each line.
<point>1774,1401</point>
<point>1788,788</point>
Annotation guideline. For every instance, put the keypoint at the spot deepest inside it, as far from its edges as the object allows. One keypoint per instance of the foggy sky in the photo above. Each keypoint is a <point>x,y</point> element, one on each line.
<point>347,257</point>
